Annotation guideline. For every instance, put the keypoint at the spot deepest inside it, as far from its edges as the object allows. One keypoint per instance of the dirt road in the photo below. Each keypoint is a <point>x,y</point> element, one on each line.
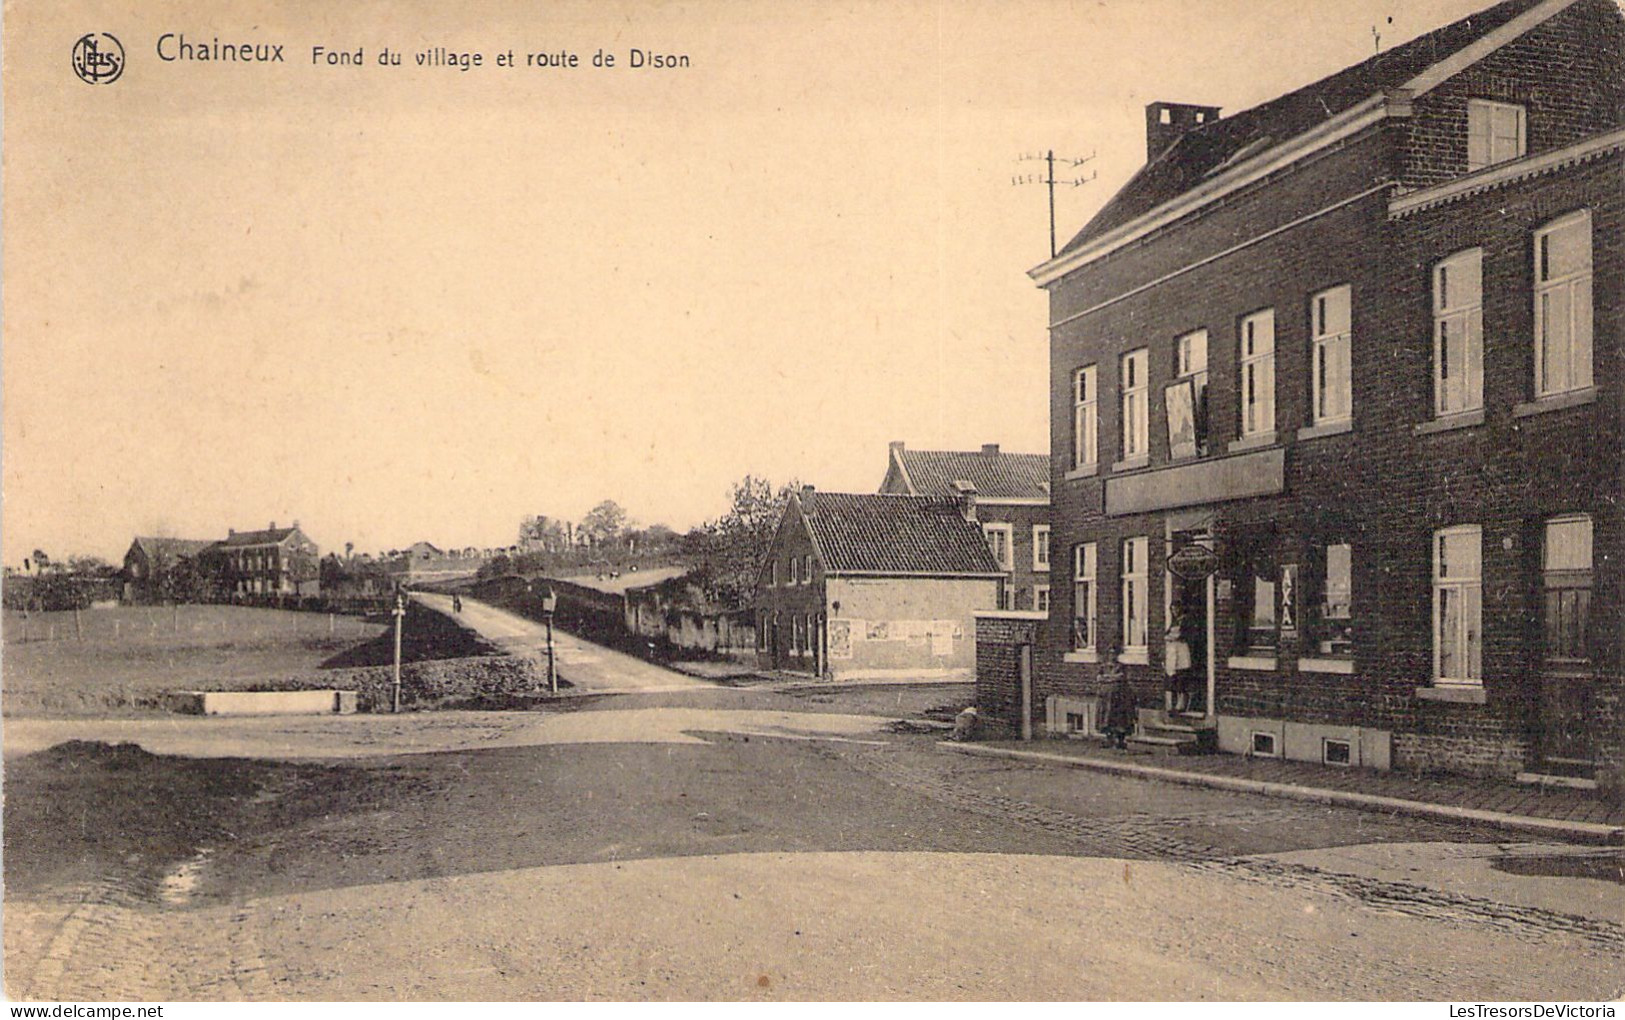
<point>590,668</point>
<point>652,848</point>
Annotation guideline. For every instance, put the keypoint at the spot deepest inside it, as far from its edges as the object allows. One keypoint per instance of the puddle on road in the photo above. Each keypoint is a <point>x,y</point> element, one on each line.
<point>177,886</point>
<point>1608,867</point>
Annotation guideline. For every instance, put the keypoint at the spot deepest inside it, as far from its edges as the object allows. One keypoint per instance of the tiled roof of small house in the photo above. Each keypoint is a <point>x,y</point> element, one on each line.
<point>996,475</point>
<point>885,534</point>
<point>1199,152</point>
<point>173,548</point>
<point>270,536</point>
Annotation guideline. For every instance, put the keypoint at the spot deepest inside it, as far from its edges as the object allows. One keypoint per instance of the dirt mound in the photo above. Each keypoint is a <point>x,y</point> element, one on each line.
<point>85,809</point>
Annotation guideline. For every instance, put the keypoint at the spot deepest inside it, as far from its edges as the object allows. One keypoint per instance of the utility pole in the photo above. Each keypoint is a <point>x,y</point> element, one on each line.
<point>1048,179</point>
<point>400,613</point>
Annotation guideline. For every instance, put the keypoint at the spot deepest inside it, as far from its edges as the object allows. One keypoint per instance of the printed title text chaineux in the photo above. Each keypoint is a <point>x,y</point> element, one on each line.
<point>175,46</point>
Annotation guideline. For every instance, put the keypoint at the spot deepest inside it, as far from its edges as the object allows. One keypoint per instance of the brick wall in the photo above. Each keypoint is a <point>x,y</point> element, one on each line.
<point>998,673</point>
<point>1566,74</point>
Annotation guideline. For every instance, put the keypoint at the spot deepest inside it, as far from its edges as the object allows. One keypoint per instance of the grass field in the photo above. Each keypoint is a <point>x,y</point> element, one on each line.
<point>113,659</point>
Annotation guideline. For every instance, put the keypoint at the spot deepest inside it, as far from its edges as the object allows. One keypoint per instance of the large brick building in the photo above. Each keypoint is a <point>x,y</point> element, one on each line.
<point>1337,426</point>
<point>1012,503</point>
<point>863,586</point>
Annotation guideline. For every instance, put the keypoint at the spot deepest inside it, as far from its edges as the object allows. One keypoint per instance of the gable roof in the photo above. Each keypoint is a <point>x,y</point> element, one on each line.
<point>270,536</point>
<point>172,548</point>
<point>864,533</point>
<point>996,475</point>
<point>1204,150</point>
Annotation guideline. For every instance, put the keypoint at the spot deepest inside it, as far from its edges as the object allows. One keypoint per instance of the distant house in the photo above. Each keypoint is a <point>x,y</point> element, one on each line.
<point>149,559</point>
<point>874,585</point>
<point>276,561</point>
<point>1012,505</point>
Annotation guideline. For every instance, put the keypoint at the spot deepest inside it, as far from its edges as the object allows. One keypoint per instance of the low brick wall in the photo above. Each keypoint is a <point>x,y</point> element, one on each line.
<point>999,638</point>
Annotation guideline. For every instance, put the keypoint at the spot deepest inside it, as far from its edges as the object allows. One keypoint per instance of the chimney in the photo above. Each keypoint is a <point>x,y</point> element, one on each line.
<point>271,526</point>
<point>231,532</point>
<point>966,493</point>
<point>296,522</point>
<point>897,446</point>
<point>990,449</point>
<point>1165,122</point>
<point>808,490</point>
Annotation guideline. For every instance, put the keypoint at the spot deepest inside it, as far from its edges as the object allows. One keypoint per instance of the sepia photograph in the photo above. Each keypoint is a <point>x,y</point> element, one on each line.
<point>906,501</point>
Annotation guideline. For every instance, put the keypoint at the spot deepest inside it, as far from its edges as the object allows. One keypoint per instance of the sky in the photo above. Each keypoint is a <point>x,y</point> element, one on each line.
<point>403,303</point>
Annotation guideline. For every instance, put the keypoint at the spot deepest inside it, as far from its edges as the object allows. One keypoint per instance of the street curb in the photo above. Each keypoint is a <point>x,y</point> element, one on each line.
<point>1586,832</point>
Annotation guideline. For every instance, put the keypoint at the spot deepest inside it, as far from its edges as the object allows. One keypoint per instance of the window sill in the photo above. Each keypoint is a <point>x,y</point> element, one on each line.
<point>1132,464</point>
<point>1257,662</point>
<point>1087,471</point>
<point>1331,428</point>
<point>1081,656</point>
<point>1345,666</point>
<point>1459,695</point>
<point>1257,442</point>
<point>1556,402</point>
<point>1450,422</point>
<point>1135,657</point>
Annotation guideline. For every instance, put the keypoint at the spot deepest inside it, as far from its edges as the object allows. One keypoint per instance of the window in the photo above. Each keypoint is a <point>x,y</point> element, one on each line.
<point>1258,374</point>
<point>812,635</point>
<point>1190,362</point>
<point>806,569</point>
<point>1040,547</point>
<point>761,631</point>
<point>1256,594</point>
<point>1330,612</point>
<point>1329,314</point>
<point>1336,752</point>
<point>1041,598</point>
<point>1563,305</point>
<point>1458,592</point>
<point>794,563</point>
<point>1085,418</point>
<point>999,537</point>
<point>1135,404</point>
<point>1008,595</point>
<point>1458,333</point>
<point>795,635</point>
<point>1566,572</point>
<point>1495,133</point>
<point>1136,596</point>
<point>1083,597</point>
<point>773,574</point>
<point>1264,744</point>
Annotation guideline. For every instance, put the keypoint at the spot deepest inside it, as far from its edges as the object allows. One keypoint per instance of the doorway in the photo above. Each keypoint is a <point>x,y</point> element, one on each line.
<point>1188,604</point>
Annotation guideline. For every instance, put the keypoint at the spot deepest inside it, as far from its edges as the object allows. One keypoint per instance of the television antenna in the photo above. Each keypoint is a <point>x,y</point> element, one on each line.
<point>1049,180</point>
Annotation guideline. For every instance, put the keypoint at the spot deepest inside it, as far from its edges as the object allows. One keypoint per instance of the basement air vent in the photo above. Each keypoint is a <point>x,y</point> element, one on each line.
<point>1335,752</point>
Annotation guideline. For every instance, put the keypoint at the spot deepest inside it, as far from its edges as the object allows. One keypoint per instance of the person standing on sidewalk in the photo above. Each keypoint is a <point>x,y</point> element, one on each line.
<point>1119,715</point>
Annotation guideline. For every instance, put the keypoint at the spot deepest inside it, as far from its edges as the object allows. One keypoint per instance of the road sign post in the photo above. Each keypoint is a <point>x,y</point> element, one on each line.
<point>400,613</point>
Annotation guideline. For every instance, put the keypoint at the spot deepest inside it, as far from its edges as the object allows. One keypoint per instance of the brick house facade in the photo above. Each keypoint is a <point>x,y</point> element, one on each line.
<point>863,586</point>
<point>1012,503</point>
<point>1297,361</point>
<point>276,561</point>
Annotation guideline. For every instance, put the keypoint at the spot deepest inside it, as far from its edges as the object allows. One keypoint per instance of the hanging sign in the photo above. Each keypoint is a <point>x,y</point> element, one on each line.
<point>1193,562</point>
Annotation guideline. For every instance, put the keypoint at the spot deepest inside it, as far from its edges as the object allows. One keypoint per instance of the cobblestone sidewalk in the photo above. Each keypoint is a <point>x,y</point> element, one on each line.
<point>1582,808</point>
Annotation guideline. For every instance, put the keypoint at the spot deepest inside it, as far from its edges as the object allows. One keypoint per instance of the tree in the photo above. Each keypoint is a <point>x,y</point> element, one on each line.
<point>604,523</point>
<point>737,543</point>
<point>540,531</point>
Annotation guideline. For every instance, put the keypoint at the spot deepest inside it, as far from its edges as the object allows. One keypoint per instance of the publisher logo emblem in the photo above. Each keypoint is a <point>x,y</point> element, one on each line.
<point>98,58</point>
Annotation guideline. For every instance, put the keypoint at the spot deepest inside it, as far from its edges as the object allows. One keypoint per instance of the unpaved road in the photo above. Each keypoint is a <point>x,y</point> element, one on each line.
<point>652,848</point>
<point>590,668</point>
